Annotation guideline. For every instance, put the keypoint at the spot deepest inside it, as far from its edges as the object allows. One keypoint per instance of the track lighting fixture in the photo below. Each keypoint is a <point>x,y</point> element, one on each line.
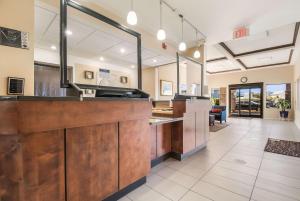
<point>161,34</point>
<point>182,44</point>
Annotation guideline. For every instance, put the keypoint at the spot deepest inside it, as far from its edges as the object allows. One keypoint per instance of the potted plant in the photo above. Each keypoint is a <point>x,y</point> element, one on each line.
<point>283,105</point>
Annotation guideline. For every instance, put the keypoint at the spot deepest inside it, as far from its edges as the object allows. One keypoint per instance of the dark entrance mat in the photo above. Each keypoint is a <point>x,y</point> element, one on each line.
<point>289,148</point>
<point>217,127</point>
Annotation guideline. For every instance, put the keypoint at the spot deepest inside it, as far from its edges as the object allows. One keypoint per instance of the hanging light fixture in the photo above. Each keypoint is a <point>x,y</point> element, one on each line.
<point>161,34</point>
<point>182,45</point>
<point>197,53</point>
<point>132,17</point>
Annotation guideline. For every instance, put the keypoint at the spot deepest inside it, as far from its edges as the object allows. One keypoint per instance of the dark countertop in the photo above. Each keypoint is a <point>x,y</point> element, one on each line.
<point>67,98</point>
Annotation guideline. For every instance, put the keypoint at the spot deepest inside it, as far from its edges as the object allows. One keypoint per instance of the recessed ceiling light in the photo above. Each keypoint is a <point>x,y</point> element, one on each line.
<point>132,66</point>
<point>69,32</point>
<point>154,60</point>
<point>101,59</point>
<point>53,47</point>
<point>122,50</point>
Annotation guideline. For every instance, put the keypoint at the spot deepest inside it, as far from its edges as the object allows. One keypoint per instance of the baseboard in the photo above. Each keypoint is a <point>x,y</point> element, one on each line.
<point>160,159</point>
<point>121,193</point>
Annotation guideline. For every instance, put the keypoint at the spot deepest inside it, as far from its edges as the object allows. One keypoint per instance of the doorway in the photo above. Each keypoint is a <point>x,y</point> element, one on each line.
<point>246,100</point>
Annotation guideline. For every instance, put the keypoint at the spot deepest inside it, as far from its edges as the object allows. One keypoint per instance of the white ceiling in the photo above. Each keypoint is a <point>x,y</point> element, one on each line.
<point>92,40</point>
<point>215,18</point>
<point>221,66</point>
<point>267,58</point>
<point>283,35</point>
<point>275,37</point>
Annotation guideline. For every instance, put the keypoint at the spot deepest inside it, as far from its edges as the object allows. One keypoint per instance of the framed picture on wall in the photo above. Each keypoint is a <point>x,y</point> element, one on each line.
<point>166,88</point>
<point>89,75</point>
<point>124,79</point>
<point>15,86</point>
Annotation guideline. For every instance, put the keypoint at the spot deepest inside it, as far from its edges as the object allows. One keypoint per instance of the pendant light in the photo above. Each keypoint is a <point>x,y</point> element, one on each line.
<point>132,17</point>
<point>182,45</point>
<point>197,53</point>
<point>161,34</point>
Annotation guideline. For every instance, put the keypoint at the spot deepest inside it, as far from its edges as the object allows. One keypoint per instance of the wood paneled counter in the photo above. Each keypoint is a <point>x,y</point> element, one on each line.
<point>183,134</point>
<point>67,150</point>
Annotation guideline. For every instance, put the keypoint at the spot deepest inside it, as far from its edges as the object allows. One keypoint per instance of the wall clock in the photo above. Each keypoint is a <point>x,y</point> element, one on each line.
<point>244,79</point>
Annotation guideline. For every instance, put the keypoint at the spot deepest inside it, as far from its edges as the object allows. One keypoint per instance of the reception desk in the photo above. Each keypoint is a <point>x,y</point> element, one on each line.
<point>64,149</point>
<point>61,149</point>
<point>183,133</point>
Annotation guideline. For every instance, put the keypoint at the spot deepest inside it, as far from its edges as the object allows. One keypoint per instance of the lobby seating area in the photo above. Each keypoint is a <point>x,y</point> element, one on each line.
<point>219,112</point>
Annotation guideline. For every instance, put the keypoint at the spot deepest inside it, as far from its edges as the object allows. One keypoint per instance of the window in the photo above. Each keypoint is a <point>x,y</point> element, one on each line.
<point>276,92</point>
<point>215,96</point>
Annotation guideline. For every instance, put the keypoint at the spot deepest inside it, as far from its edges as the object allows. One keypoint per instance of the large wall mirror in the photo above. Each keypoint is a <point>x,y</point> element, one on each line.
<point>190,76</point>
<point>102,51</point>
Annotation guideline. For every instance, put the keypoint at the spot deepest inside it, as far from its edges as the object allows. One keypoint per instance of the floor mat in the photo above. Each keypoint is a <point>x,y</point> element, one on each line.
<point>217,127</point>
<point>289,148</point>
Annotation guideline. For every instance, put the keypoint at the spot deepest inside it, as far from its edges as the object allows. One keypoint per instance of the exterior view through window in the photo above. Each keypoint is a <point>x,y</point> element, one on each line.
<point>275,92</point>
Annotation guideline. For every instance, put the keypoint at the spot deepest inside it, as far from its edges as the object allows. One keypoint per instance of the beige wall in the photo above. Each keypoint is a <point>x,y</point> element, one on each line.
<point>19,15</point>
<point>297,95</point>
<point>276,75</point>
<point>114,76</point>
<point>167,73</point>
<point>148,81</point>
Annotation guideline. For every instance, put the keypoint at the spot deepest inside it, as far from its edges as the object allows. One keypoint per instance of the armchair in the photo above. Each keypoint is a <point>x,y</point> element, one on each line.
<point>219,112</point>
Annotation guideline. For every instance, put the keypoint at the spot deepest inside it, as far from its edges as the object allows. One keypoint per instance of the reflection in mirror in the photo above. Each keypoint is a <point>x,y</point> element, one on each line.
<point>190,77</point>
<point>100,53</point>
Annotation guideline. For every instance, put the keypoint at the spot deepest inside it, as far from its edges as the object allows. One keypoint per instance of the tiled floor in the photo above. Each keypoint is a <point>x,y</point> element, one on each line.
<point>234,167</point>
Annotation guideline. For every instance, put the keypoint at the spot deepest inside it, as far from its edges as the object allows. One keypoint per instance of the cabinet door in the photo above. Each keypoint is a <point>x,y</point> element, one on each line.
<point>164,133</point>
<point>32,167</point>
<point>92,162</point>
<point>134,151</point>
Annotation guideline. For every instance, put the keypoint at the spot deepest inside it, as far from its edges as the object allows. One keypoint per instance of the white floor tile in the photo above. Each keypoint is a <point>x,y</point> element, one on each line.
<point>234,175</point>
<point>144,193</point>
<point>191,196</point>
<point>216,193</point>
<point>263,195</point>
<point>228,184</point>
<point>166,187</point>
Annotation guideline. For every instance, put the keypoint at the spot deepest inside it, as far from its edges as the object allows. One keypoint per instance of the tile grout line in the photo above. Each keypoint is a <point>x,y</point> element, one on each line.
<point>257,175</point>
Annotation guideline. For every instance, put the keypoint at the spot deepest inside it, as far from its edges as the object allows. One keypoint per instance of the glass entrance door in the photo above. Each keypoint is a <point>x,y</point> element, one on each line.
<point>246,100</point>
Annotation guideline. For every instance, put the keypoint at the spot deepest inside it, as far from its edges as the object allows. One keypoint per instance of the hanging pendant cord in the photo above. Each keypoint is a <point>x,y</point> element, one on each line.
<point>160,14</point>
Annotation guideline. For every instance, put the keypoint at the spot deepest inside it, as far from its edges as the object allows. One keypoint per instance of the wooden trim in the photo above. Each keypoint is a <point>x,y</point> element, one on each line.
<point>268,65</point>
<point>216,59</point>
<point>296,30</point>
<point>224,71</point>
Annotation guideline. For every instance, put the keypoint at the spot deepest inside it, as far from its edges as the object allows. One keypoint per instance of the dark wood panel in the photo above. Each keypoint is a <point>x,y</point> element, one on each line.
<point>164,134</point>
<point>177,137</point>
<point>134,151</point>
<point>8,118</point>
<point>10,168</point>
<point>32,167</point>
<point>43,166</point>
<point>153,142</point>
<point>69,114</point>
<point>92,162</point>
